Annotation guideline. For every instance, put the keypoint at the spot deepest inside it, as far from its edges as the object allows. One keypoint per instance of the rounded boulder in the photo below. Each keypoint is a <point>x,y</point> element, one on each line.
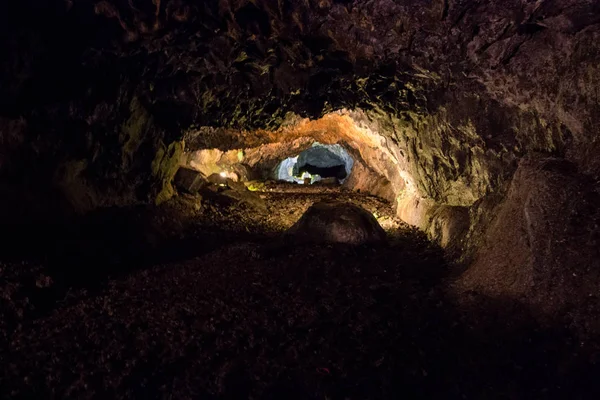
<point>338,222</point>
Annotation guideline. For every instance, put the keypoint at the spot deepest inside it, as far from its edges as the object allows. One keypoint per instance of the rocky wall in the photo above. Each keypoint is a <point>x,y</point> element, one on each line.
<point>542,246</point>
<point>375,171</point>
<point>439,100</point>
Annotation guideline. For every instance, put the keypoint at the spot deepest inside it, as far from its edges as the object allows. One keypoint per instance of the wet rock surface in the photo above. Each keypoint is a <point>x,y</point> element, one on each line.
<point>337,222</point>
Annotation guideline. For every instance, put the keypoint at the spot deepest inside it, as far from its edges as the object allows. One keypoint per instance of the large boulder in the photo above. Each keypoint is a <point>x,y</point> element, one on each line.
<point>217,179</point>
<point>189,180</point>
<point>338,222</point>
<point>542,247</point>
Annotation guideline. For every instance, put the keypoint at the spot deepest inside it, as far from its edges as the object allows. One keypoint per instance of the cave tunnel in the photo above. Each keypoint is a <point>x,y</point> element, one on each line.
<point>317,162</point>
<point>309,199</point>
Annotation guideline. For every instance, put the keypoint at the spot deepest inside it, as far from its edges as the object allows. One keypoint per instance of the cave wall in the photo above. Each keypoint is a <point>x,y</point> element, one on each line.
<point>75,133</point>
<point>445,100</point>
<point>505,79</point>
<point>542,244</point>
<point>373,172</point>
<point>257,162</point>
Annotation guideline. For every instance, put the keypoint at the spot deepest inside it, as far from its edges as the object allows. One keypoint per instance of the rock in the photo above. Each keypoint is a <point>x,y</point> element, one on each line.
<point>448,226</point>
<point>541,240</point>
<point>229,191</point>
<point>236,185</point>
<point>247,197</point>
<point>188,180</point>
<point>211,189</point>
<point>217,179</point>
<point>328,181</point>
<point>255,186</point>
<point>338,222</point>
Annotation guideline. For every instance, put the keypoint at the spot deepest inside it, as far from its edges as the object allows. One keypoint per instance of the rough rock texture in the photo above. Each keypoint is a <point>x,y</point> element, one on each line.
<point>338,222</point>
<point>436,100</point>
<point>225,191</point>
<point>321,158</point>
<point>374,170</point>
<point>543,246</point>
<point>188,180</point>
<point>388,164</point>
<point>499,78</point>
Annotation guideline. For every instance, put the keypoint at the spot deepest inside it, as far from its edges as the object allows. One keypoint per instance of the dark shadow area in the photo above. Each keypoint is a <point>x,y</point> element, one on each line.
<point>336,171</point>
<point>85,252</point>
<point>274,320</point>
<point>148,302</point>
<point>324,161</point>
<point>319,161</point>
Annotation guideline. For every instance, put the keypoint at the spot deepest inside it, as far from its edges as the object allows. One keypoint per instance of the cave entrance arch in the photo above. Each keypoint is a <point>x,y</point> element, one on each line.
<point>318,162</point>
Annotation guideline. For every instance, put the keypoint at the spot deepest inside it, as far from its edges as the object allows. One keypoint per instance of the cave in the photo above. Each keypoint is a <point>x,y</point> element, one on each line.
<point>315,163</point>
<point>308,199</point>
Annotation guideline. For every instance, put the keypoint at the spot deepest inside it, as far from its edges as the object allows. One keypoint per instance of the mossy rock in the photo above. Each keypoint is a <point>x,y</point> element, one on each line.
<point>165,166</point>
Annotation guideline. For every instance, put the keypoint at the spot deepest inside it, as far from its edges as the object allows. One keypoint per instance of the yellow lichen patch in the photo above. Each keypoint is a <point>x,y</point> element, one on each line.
<point>255,186</point>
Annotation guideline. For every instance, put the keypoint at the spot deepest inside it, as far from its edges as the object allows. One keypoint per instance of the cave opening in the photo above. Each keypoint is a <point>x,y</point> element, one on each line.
<point>321,162</point>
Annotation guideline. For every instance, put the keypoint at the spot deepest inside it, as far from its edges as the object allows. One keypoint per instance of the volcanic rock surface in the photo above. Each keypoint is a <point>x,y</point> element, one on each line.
<point>477,121</point>
<point>338,222</point>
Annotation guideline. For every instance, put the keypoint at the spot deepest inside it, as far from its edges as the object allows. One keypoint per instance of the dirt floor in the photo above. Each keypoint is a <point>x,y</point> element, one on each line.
<point>205,298</point>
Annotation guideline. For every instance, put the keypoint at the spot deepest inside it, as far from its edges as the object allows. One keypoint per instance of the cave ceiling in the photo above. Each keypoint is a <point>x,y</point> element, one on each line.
<point>241,63</point>
<point>458,85</point>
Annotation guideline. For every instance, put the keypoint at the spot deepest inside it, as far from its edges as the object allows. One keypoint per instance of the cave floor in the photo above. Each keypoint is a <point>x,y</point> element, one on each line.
<point>211,301</point>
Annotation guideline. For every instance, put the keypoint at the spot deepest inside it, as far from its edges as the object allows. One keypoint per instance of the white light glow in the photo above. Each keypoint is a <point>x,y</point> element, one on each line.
<point>223,174</point>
